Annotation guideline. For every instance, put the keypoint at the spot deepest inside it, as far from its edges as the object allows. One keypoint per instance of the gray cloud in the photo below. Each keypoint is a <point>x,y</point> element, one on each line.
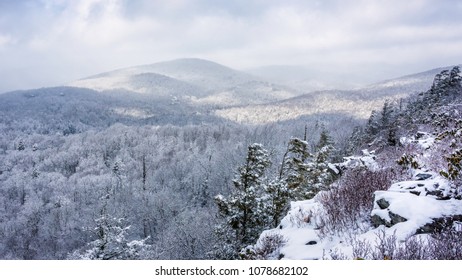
<point>51,42</point>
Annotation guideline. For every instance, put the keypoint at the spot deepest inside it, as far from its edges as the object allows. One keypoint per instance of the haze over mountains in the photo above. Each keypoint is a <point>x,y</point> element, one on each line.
<point>197,81</point>
<point>268,94</point>
<point>195,90</point>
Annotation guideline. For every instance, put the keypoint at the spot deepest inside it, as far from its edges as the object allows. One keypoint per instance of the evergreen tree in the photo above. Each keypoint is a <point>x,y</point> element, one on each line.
<point>373,126</point>
<point>387,115</point>
<point>324,139</point>
<point>243,211</point>
<point>355,141</point>
<point>293,168</point>
<point>276,201</point>
<point>304,173</point>
<point>454,77</point>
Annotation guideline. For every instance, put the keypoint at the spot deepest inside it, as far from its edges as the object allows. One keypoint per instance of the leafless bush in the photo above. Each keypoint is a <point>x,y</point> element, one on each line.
<point>414,248</point>
<point>336,255</point>
<point>444,245</point>
<point>348,205</point>
<point>361,249</point>
<point>385,246</point>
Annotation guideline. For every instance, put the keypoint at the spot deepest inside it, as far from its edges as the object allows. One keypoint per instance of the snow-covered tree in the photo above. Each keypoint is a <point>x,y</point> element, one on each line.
<point>276,199</point>
<point>242,212</point>
<point>324,139</point>
<point>294,168</point>
<point>112,242</point>
<point>305,174</point>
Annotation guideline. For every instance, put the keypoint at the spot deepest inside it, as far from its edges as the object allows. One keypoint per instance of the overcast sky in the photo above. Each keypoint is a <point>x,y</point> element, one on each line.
<point>52,42</point>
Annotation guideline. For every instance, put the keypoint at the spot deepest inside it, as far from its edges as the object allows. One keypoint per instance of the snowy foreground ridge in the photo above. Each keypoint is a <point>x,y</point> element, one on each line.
<point>408,209</point>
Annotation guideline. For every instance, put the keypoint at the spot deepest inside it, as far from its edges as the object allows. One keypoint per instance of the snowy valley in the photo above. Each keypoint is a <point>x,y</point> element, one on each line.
<point>190,159</point>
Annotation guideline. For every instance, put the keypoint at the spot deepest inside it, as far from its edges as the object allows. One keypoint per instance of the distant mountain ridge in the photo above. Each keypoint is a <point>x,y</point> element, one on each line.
<point>193,90</point>
<point>413,83</point>
<point>200,81</point>
<point>357,103</point>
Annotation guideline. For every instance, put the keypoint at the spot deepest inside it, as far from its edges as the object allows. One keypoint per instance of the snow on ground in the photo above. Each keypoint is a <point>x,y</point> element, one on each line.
<point>298,228</point>
<point>417,210</point>
<point>367,160</point>
<point>407,207</point>
<point>422,139</point>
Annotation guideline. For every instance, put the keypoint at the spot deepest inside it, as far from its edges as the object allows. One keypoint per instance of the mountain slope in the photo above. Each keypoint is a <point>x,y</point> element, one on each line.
<point>408,84</point>
<point>140,82</point>
<point>67,110</point>
<point>206,74</point>
<point>357,103</point>
<point>323,102</point>
<point>203,82</point>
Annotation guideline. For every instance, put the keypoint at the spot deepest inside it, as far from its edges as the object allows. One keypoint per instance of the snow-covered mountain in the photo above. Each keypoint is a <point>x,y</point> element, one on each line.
<point>357,103</point>
<point>146,83</point>
<point>196,86</point>
<point>406,85</point>
<point>182,90</point>
<point>200,81</point>
<point>324,102</point>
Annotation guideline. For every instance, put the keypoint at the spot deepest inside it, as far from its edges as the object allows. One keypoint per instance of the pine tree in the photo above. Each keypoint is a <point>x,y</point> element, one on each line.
<point>243,211</point>
<point>373,125</point>
<point>293,168</point>
<point>324,139</point>
<point>276,201</point>
<point>355,141</point>
<point>320,173</point>
<point>304,173</point>
<point>454,77</point>
<point>387,115</point>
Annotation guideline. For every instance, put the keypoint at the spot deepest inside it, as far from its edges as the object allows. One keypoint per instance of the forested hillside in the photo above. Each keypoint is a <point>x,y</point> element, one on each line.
<point>69,185</point>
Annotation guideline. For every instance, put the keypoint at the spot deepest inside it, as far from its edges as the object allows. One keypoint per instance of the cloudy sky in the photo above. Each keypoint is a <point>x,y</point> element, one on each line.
<point>52,42</point>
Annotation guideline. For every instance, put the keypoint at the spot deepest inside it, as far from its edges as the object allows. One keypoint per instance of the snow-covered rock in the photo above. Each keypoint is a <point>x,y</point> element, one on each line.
<point>416,206</point>
<point>424,140</point>
<point>408,214</point>
<point>367,160</point>
<point>425,184</point>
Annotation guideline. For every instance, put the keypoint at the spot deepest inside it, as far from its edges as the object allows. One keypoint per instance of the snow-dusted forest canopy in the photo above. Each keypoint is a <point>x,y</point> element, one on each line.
<point>192,160</point>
